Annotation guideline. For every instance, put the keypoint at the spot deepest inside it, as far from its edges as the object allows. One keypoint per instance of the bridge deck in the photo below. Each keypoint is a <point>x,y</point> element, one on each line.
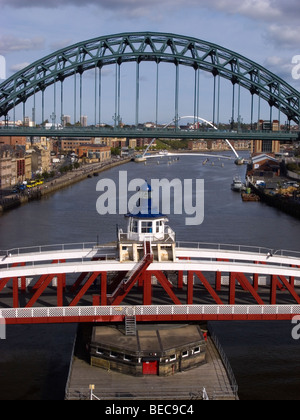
<point>150,133</point>
<point>72,285</point>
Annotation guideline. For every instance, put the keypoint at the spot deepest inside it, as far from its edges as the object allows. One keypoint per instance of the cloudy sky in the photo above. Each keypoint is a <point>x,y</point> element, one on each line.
<point>266,31</point>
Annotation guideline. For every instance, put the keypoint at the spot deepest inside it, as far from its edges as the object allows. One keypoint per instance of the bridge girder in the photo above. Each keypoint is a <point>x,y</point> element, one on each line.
<point>150,46</point>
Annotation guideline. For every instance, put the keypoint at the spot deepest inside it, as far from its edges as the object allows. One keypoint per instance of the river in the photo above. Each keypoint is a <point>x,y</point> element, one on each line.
<point>34,359</point>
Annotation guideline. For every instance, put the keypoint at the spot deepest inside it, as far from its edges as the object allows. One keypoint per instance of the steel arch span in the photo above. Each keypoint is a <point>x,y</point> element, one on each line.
<point>150,46</point>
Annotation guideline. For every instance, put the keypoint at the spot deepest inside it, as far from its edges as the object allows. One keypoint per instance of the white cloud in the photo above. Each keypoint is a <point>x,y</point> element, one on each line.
<point>62,43</point>
<point>284,36</point>
<point>18,67</point>
<point>11,43</point>
<point>282,67</point>
<point>254,9</point>
<point>263,10</point>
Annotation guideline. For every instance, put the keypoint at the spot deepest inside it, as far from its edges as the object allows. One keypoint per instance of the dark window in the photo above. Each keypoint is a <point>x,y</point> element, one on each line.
<point>146,227</point>
<point>267,146</point>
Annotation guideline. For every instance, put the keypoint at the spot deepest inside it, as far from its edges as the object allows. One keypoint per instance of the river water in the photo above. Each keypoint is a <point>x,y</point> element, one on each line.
<point>34,359</point>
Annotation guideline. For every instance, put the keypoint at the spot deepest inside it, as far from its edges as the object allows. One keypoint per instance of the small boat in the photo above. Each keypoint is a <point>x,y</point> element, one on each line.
<point>237,185</point>
<point>250,197</point>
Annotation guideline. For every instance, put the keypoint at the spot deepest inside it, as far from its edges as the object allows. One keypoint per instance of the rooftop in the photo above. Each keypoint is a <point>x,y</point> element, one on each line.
<point>149,338</point>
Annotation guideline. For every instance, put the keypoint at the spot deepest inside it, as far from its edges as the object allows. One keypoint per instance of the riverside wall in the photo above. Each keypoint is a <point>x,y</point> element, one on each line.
<point>286,205</point>
<point>55,185</point>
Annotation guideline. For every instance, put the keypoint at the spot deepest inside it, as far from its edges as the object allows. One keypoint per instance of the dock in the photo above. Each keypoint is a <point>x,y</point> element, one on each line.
<point>189,385</point>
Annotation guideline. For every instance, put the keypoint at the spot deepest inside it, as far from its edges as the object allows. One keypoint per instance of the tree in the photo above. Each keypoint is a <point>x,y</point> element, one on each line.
<point>115,151</point>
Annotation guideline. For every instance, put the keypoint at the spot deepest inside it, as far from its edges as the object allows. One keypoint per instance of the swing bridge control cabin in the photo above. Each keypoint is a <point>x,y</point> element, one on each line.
<point>152,350</point>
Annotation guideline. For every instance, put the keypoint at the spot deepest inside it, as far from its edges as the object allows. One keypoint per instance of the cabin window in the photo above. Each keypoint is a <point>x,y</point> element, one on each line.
<point>159,226</point>
<point>197,350</point>
<point>173,357</point>
<point>134,227</point>
<point>185,354</point>
<point>146,227</point>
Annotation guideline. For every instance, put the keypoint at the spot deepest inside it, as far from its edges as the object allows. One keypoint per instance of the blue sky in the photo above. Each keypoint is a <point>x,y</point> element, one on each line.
<point>266,31</point>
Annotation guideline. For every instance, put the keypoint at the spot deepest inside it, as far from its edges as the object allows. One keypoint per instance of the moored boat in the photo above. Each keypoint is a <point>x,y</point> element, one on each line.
<point>237,184</point>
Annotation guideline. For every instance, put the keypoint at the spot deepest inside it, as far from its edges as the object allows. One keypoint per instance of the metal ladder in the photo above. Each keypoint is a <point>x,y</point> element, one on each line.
<point>130,325</point>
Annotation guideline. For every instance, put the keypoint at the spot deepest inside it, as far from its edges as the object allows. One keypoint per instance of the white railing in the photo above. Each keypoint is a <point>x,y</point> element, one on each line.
<point>5,264</point>
<point>233,311</point>
<point>238,248</point>
<point>168,231</point>
<point>39,249</point>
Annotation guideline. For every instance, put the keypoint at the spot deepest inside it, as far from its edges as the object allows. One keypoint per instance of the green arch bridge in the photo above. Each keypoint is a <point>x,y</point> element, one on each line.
<point>72,62</point>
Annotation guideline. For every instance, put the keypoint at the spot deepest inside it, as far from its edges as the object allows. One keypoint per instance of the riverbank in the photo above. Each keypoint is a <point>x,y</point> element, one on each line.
<point>285,204</point>
<point>53,186</point>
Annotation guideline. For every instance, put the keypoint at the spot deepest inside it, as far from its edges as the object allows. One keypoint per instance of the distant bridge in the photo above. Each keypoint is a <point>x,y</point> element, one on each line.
<point>133,133</point>
<point>27,88</point>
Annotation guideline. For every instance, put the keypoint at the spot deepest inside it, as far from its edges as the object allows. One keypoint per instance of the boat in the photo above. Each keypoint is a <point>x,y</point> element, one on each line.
<point>250,197</point>
<point>237,185</point>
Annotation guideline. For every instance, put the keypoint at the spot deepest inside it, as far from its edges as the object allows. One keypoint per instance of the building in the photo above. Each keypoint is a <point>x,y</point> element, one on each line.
<point>83,121</point>
<point>217,145</point>
<point>127,152</point>
<point>15,166</point>
<point>115,142</point>
<point>23,164</point>
<point>8,175</point>
<point>141,142</point>
<point>265,146</point>
<point>94,152</point>
<point>267,125</point>
<point>264,166</point>
<point>40,160</point>
<point>154,350</point>
<point>197,145</point>
<point>66,120</point>
<point>71,145</point>
<point>13,141</point>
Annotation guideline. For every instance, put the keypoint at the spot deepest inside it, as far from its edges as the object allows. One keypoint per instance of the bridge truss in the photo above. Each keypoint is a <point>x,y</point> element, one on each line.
<point>142,47</point>
<point>206,282</point>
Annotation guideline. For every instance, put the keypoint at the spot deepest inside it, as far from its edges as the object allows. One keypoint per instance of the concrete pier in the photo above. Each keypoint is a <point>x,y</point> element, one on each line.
<point>109,385</point>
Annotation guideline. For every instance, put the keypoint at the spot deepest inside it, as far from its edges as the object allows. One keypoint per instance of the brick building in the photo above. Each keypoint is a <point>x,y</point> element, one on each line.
<point>94,152</point>
<point>13,141</point>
